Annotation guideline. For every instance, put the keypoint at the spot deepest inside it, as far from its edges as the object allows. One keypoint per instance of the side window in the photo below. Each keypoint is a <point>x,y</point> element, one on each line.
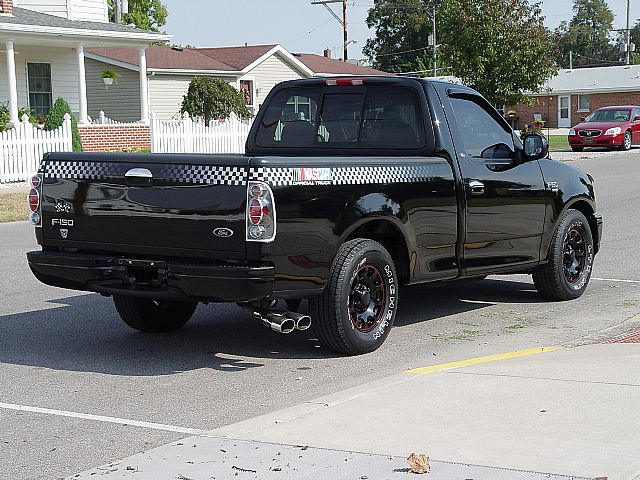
<point>290,119</point>
<point>636,113</point>
<point>481,134</point>
<point>392,119</point>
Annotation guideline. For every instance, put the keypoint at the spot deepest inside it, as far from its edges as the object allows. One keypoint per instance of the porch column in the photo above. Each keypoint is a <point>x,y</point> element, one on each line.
<point>82,86</point>
<point>13,87</point>
<point>144,86</point>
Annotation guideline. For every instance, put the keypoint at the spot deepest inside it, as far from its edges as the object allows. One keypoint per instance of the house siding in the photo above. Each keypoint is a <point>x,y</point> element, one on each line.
<point>50,7</point>
<point>64,73</point>
<point>165,93</point>
<point>121,101</point>
<point>89,10</point>
<point>269,73</point>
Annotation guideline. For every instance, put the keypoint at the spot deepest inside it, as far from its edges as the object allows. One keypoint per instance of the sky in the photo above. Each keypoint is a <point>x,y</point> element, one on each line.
<point>301,27</point>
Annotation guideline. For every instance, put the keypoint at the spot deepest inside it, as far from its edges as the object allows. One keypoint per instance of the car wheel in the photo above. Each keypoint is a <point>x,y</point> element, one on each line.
<point>358,306</point>
<point>626,141</point>
<point>567,273</point>
<point>156,316</point>
<point>577,149</point>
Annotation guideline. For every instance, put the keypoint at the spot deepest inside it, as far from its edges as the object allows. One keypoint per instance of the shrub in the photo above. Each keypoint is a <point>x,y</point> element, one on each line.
<point>5,115</point>
<point>213,99</point>
<point>56,118</point>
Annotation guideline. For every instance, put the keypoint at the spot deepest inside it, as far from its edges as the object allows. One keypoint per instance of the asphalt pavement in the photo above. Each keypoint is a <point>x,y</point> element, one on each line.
<point>94,391</point>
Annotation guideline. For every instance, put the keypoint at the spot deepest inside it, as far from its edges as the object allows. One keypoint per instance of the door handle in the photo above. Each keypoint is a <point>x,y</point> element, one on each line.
<point>476,187</point>
<point>138,177</point>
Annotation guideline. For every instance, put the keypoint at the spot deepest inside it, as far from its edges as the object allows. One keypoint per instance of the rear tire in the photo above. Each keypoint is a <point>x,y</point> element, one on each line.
<point>626,141</point>
<point>157,316</point>
<point>358,306</point>
<point>571,253</point>
<point>577,149</point>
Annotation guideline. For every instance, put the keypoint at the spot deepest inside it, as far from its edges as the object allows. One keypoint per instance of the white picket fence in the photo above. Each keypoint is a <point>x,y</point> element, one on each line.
<point>22,148</point>
<point>189,136</point>
<point>102,119</point>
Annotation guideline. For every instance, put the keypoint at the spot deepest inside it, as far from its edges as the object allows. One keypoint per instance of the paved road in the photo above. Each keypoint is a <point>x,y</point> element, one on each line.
<point>67,351</point>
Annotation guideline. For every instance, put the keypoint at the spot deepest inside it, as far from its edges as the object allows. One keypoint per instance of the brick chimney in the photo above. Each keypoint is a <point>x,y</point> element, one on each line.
<point>6,7</point>
<point>327,53</point>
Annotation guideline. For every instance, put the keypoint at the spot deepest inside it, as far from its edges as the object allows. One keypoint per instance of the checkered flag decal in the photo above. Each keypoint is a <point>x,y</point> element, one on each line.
<point>204,174</point>
<point>381,174</point>
<point>275,176</point>
<point>81,170</point>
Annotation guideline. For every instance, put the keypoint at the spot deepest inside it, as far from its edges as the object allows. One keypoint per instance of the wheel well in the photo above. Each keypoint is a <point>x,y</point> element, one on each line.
<point>390,237</point>
<point>586,209</point>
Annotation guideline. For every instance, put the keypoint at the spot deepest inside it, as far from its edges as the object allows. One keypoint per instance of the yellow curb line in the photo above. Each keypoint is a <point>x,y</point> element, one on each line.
<point>475,361</point>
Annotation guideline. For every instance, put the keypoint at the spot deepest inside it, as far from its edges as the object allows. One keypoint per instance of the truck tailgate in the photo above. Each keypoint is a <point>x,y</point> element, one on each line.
<point>187,205</point>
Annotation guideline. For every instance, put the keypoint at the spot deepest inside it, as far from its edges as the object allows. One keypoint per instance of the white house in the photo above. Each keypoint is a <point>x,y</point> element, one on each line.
<point>255,69</point>
<point>45,43</point>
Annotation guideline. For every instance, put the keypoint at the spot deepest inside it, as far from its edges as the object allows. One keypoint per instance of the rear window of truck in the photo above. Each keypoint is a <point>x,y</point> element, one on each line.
<point>380,117</point>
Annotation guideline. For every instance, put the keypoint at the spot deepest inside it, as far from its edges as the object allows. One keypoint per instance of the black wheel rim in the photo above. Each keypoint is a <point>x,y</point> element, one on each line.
<point>366,298</point>
<point>575,254</point>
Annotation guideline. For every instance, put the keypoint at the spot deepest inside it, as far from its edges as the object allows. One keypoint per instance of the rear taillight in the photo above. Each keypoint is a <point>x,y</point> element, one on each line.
<point>33,198</point>
<point>261,213</point>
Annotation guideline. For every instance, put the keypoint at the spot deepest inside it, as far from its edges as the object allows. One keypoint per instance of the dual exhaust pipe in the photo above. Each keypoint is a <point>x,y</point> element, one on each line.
<point>286,322</point>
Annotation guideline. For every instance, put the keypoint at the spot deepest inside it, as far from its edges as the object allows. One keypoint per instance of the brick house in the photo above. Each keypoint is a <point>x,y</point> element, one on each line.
<point>572,95</point>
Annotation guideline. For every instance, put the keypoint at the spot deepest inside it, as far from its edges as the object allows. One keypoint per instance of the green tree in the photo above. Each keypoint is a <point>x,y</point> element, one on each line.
<point>211,98</point>
<point>402,33</point>
<point>587,35</point>
<point>145,14</point>
<point>499,47</point>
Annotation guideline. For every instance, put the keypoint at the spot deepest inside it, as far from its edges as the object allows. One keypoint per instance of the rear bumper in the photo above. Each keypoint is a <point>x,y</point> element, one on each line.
<point>161,279</point>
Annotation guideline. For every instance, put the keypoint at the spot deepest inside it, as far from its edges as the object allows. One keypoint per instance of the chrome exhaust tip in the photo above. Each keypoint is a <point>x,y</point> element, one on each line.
<point>302,321</point>
<point>279,323</point>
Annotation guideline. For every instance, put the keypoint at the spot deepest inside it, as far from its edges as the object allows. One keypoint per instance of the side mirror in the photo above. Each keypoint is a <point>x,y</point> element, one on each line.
<point>636,119</point>
<point>583,119</point>
<point>536,146</point>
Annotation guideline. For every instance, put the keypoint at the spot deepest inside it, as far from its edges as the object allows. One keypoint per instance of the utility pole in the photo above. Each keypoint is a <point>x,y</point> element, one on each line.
<point>435,43</point>
<point>342,21</point>
<point>570,59</point>
<point>118,10</point>
<point>628,38</point>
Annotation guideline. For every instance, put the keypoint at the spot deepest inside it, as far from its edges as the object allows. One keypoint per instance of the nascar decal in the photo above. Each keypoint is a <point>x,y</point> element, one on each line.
<point>311,176</point>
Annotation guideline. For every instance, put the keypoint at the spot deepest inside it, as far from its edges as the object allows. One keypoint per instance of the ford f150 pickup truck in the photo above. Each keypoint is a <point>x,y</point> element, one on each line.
<point>349,187</point>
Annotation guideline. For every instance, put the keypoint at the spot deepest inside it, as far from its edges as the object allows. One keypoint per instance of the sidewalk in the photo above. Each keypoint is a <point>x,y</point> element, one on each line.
<point>570,412</point>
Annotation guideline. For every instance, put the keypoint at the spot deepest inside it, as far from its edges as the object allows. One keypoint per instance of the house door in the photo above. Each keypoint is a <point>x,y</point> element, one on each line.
<point>564,115</point>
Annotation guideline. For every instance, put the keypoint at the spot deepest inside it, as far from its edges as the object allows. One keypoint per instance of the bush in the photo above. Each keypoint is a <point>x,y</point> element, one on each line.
<point>55,119</point>
<point>213,99</point>
<point>5,115</point>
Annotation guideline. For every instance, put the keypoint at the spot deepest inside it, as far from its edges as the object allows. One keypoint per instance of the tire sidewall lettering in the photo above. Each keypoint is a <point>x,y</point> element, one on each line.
<point>586,274</point>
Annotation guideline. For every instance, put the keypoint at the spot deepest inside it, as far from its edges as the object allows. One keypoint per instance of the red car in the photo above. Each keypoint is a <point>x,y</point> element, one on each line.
<point>613,127</point>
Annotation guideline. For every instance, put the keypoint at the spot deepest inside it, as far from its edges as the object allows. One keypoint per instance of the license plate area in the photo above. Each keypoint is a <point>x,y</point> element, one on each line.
<point>588,140</point>
<point>144,272</point>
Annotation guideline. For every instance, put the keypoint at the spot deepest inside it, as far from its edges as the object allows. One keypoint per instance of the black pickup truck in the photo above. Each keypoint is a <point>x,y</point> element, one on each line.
<point>348,188</point>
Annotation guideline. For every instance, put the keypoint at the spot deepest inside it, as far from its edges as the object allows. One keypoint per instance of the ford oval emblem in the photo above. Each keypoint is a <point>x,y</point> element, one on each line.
<point>223,232</point>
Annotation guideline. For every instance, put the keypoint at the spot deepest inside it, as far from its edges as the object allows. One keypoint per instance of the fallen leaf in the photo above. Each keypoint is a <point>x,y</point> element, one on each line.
<point>419,463</point>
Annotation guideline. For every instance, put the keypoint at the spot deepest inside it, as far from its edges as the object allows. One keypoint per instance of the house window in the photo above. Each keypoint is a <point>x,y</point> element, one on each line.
<point>39,79</point>
<point>246,87</point>
<point>583,103</point>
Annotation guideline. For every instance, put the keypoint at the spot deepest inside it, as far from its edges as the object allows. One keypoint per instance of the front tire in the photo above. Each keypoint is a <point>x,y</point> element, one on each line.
<point>626,142</point>
<point>358,306</point>
<point>571,253</point>
<point>155,316</point>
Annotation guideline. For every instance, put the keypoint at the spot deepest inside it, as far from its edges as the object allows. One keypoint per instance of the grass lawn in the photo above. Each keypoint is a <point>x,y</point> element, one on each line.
<point>13,206</point>
<point>558,142</point>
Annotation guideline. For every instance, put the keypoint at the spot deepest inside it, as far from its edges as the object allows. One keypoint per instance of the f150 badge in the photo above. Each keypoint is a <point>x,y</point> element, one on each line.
<point>62,222</point>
